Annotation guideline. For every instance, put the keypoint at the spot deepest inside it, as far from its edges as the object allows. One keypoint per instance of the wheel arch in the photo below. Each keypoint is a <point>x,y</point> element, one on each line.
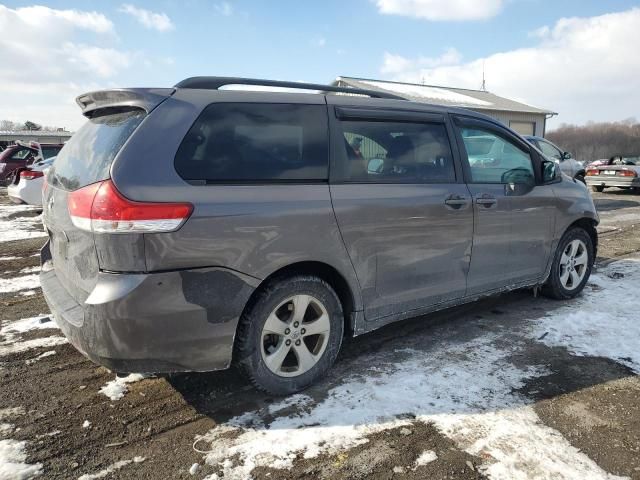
<point>324,271</point>
<point>589,225</point>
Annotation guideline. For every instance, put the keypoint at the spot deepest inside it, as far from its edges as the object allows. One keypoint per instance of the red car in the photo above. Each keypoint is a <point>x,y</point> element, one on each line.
<point>22,155</point>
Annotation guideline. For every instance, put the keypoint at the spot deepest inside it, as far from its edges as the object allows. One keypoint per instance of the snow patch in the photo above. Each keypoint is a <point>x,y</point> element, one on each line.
<point>12,330</point>
<point>31,269</point>
<point>116,389</point>
<point>465,387</point>
<point>19,228</point>
<point>15,284</point>
<point>38,322</point>
<point>426,458</point>
<point>13,455</point>
<point>18,347</point>
<point>429,92</point>
<point>86,424</point>
<point>8,258</point>
<point>31,361</point>
<point>468,389</point>
<point>114,467</point>
<point>604,320</point>
<point>13,459</point>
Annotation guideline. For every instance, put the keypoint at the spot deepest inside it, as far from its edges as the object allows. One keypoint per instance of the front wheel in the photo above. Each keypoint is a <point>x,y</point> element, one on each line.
<point>571,266</point>
<point>291,335</point>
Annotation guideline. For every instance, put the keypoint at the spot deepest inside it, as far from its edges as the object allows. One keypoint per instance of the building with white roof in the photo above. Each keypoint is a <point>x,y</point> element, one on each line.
<point>522,118</point>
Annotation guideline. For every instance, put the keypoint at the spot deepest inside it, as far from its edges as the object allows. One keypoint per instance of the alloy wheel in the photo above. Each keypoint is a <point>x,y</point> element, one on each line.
<point>295,336</point>
<point>573,264</point>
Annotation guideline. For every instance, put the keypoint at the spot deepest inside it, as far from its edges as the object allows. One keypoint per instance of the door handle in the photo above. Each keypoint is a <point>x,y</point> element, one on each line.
<point>486,201</point>
<point>456,202</point>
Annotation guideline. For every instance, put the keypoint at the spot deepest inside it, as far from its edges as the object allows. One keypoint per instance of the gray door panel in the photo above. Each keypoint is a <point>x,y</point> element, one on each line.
<point>513,216</point>
<point>410,249</point>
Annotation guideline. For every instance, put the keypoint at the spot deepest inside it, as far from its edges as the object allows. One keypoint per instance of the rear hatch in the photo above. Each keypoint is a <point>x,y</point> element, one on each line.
<point>85,160</point>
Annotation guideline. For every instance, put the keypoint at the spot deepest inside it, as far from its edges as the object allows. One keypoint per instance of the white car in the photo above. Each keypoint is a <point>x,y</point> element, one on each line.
<point>27,185</point>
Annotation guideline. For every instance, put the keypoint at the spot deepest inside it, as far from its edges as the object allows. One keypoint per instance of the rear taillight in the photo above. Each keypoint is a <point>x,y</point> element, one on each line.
<point>100,208</point>
<point>593,171</point>
<point>30,174</point>
<point>627,173</point>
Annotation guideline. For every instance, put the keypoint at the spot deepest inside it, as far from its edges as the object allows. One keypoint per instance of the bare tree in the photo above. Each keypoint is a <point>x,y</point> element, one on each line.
<point>599,140</point>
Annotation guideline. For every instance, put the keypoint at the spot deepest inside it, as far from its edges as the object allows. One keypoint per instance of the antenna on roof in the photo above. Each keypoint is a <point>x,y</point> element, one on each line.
<point>484,83</point>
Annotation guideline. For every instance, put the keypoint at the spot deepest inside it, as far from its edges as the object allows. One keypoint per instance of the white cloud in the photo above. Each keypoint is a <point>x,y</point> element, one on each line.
<point>440,10</point>
<point>151,20</point>
<point>397,64</point>
<point>584,68</point>
<point>224,8</point>
<point>42,17</point>
<point>51,56</point>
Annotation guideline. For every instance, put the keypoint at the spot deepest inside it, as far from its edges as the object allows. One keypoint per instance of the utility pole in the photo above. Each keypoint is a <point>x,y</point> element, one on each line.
<point>484,83</point>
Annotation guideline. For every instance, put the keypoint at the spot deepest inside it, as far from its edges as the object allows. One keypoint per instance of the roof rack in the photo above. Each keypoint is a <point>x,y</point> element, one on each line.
<point>214,83</point>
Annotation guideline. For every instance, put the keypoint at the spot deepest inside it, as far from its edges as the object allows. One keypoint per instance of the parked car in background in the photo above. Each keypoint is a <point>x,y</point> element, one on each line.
<point>22,155</point>
<point>622,172</point>
<point>26,183</point>
<point>240,245</point>
<point>569,165</point>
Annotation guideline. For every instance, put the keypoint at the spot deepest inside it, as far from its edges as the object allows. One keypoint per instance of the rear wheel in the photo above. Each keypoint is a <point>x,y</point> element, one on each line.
<point>597,188</point>
<point>291,335</point>
<point>571,265</point>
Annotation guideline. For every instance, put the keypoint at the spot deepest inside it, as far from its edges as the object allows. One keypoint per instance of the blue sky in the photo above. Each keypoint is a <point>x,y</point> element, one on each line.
<point>317,41</point>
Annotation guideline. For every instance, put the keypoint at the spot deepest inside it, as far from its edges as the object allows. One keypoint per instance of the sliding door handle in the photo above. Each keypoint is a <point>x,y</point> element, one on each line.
<point>456,202</point>
<point>486,201</point>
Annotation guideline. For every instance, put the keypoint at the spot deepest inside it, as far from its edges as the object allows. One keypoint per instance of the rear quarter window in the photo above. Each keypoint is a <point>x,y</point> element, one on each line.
<point>248,142</point>
<point>86,158</point>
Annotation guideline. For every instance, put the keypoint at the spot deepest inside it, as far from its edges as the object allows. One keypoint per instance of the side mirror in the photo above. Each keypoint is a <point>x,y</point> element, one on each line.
<point>550,171</point>
<point>566,156</point>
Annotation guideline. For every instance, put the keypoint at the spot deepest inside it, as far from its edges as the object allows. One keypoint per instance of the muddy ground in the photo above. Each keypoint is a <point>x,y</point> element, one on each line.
<point>593,402</point>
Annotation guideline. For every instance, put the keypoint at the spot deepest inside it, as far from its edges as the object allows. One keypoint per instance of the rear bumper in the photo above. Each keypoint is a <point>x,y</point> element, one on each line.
<point>26,192</point>
<point>154,322</point>
<point>612,181</point>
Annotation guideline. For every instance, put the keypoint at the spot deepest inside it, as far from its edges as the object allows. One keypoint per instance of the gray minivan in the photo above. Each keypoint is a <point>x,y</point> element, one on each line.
<point>196,227</point>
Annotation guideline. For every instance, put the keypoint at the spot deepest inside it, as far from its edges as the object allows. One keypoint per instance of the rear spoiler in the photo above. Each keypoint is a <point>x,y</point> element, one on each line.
<point>144,98</point>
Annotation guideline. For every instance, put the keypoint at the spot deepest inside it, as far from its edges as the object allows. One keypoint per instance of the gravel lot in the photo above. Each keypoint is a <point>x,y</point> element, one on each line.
<point>512,387</point>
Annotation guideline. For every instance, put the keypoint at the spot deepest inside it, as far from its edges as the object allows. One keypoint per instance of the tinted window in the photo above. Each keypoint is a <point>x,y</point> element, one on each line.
<point>87,156</point>
<point>48,152</point>
<point>549,150</point>
<point>494,159</point>
<point>389,152</point>
<point>22,153</point>
<point>236,142</point>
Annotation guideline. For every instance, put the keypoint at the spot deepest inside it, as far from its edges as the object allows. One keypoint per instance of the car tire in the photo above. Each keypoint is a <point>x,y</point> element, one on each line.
<point>279,363</point>
<point>597,188</point>
<point>562,284</point>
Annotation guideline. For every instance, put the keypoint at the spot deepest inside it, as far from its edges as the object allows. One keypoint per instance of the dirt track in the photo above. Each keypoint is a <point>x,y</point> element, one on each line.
<point>592,401</point>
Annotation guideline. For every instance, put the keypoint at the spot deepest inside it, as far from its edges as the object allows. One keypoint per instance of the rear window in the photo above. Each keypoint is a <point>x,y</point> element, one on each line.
<point>48,152</point>
<point>87,156</point>
<point>247,142</point>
